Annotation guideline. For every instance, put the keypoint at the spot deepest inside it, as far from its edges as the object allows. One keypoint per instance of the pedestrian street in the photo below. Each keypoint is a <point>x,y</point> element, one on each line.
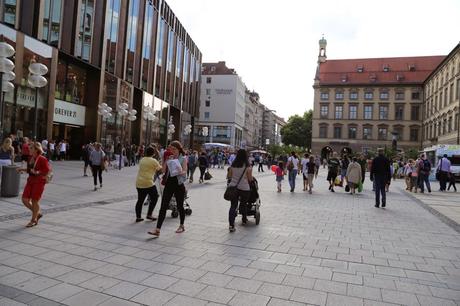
<point>319,249</point>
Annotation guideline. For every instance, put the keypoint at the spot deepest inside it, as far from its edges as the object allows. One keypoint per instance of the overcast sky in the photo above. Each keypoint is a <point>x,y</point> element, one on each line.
<point>273,44</point>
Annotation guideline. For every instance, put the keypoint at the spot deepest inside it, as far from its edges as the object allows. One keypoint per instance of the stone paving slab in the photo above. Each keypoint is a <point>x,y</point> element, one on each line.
<point>319,249</point>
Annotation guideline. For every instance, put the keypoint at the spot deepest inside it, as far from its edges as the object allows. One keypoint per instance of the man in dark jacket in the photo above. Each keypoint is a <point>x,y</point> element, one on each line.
<point>381,173</point>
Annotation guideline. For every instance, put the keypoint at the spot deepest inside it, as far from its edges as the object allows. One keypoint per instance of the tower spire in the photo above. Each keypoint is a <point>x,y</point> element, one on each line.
<point>322,50</point>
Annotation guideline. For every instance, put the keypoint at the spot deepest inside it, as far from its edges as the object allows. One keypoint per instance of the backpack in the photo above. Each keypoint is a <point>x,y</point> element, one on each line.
<point>426,166</point>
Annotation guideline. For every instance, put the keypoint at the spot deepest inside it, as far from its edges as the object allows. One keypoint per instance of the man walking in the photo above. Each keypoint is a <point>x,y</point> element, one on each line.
<point>381,175</point>
<point>424,173</point>
<point>443,170</point>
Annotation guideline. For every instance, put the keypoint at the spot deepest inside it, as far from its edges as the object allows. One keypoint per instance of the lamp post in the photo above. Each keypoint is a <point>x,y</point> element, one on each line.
<point>150,118</point>
<point>122,112</point>
<point>171,128</point>
<point>6,75</point>
<point>37,80</point>
<point>106,112</point>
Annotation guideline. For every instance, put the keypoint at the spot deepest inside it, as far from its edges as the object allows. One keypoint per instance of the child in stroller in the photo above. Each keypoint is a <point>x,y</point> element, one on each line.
<point>252,207</point>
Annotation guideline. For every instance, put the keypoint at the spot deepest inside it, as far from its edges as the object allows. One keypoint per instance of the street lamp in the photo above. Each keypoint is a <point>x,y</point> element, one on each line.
<point>106,112</point>
<point>171,127</point>
<point>6,75</point>
<point>122,112</point>
<point>37,80</point>
<point>149,116</point>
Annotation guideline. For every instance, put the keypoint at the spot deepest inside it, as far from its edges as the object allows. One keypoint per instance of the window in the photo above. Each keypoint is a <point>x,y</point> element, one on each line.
<point>324,96</point>
<point>398,132</point>
<point>111,33</point>
<point>458,89</point>
<point>352,132</point>
<point>383,112</point>
<point>368,95</point>
<point>208,80</point>
<point>386,68</point>
<point>206,115</point>
<point>131,38</point>
<point>456,122</point>
<point>52,22</point>
<point>399,112</point>
<point>147,43</point>
<point>338,112</point>
<point>208,91</point>
<point>85,30</point>
<point>368,112</point>
<point>444,127</point>
<point>9,12</point>
<point>384,95</point>
<point>367,132</point>
<point>399,95</point>
<point>323,131</point>
<point>383,133</point>
<point>451,93</point>
<point>207,103</point>
<point>324,111</point>
<point>416,95</point>
<point>339,95</point>
<point>446,97</point>
<point>353,95</point>
<point>415,112</point>
<point>337,132</point>
<point>353,112</point>
<point>449,125</point>
<point>414,134</point>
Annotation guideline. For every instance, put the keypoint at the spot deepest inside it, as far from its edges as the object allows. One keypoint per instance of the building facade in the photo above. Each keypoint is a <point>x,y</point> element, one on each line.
<point>271,128</point>
<point>253,121</point>
<point>101,51</point>
<point>362,104</point>
<point>442,102</point>
<point>222,108</point>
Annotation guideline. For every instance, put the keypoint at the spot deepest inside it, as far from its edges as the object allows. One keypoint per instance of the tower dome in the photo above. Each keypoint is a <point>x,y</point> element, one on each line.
<point>322,42</point>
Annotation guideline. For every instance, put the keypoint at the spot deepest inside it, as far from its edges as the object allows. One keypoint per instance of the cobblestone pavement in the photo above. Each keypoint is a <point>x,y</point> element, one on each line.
<point>320,249</point>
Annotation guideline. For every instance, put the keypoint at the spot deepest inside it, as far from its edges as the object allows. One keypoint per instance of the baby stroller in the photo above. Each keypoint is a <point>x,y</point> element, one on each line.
<point>172,203</point>
<point>252,208</point>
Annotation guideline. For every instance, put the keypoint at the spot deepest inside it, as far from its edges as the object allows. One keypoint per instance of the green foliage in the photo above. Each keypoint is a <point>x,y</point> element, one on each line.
<point>411,153</point>
<point>277,150</point>
<point>297,131</point>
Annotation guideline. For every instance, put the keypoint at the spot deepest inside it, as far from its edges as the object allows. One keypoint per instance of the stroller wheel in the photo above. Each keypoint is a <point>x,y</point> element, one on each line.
<point>188,211</point>
<point>174,214</point>
<point>257,216</point>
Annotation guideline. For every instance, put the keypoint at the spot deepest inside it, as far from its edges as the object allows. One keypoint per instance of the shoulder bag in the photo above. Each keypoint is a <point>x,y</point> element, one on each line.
<point>231,193</point>
<point>438,171</point>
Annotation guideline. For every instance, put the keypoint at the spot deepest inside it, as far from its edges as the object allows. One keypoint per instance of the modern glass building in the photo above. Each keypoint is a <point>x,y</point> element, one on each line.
<point>101,51</point>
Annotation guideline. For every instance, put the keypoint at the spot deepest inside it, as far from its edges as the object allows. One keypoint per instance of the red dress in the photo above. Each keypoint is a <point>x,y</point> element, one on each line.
<point>36,182</point>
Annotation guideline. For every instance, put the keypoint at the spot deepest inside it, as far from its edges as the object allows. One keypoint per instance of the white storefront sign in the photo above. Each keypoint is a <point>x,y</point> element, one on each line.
<point>70,113</point>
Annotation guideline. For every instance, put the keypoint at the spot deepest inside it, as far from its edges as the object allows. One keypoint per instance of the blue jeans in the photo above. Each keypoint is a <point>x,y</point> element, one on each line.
<point>423,179</point>
<point>292,177</point>
<point>379,182</point>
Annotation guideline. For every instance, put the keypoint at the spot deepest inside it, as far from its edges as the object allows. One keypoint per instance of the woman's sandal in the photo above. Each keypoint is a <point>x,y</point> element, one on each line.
<point>31,224</point>
<point>155,233</point>
<point>180,229</point>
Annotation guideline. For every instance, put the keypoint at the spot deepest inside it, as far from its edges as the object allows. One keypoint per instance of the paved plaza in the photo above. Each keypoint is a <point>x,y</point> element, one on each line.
<point>320,249</point>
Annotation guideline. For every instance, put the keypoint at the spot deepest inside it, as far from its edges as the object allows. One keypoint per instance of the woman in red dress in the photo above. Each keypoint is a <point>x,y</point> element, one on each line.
<point>37,168</point>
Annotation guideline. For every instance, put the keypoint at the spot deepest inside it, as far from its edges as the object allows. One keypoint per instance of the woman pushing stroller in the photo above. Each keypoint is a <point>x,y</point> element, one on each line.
<point>239,175</point>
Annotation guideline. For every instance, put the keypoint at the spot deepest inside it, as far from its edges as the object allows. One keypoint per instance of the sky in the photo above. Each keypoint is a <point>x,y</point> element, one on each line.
<point>273,44</point>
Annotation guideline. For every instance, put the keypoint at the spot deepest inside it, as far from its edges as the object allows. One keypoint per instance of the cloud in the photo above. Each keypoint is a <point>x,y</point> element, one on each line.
<point>273,45</point>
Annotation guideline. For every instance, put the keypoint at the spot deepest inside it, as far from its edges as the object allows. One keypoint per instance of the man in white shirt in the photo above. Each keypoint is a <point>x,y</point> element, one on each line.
<point>45,148</point>
<point>304,162</point>
<point>293,169</point>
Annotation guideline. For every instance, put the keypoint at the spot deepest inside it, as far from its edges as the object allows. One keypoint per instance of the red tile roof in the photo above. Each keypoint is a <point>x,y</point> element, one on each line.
<point>401,70</point>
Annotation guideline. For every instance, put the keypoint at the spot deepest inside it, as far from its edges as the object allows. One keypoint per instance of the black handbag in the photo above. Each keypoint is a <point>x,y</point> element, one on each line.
<point>207,176</point>
<point>231,193</point>
<point>438,172</point>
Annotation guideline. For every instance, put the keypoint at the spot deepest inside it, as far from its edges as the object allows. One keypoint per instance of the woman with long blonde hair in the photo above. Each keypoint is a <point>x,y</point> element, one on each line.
<point>7,152</point>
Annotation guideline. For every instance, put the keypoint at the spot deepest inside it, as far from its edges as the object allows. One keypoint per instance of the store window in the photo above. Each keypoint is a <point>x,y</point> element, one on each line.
<point>52,22</point>
<point>85,30</point>
<point>131,36</point>
<point>111,33</point>
<point>222,131</point>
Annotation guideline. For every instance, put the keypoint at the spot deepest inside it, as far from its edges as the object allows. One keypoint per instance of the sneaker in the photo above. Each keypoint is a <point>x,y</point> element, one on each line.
<point>377,205</point>
<point>332,190</point>
<point>139,220</point>
<point>383,205</point>
<point>151,218</point>
<point>231,229</point>
<point>101,185</point>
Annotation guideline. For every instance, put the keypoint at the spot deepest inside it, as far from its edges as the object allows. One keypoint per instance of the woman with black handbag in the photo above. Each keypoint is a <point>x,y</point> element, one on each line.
<point>239,174</point>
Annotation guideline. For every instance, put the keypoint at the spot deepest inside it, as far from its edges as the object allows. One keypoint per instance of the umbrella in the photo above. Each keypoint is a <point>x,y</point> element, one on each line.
<point>258,151</point>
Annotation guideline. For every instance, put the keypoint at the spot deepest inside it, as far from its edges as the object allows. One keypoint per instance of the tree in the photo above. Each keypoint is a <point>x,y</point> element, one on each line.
<point>297,131</point>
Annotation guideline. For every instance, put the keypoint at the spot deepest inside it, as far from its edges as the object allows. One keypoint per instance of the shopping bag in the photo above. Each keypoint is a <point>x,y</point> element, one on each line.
<point>337,181</point>
<point>360,186</point>
<point>347,188</point>
<point>207,176</point>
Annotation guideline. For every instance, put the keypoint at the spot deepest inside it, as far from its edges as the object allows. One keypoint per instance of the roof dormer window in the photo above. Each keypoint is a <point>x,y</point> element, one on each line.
<point>411,67</point>
<point>386,68</point>
<point>360,68</point>
<point>344,78</point>
<point>372,77</point>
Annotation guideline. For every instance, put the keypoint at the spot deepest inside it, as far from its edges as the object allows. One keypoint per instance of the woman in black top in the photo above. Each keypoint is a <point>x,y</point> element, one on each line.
<point>203,165</point>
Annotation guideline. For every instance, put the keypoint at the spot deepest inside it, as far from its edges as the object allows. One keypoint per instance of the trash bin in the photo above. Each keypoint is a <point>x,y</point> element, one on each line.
<point>10,181</point>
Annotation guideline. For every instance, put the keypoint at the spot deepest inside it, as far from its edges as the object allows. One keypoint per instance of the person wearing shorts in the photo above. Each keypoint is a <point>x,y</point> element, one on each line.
<point>38,169</point>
